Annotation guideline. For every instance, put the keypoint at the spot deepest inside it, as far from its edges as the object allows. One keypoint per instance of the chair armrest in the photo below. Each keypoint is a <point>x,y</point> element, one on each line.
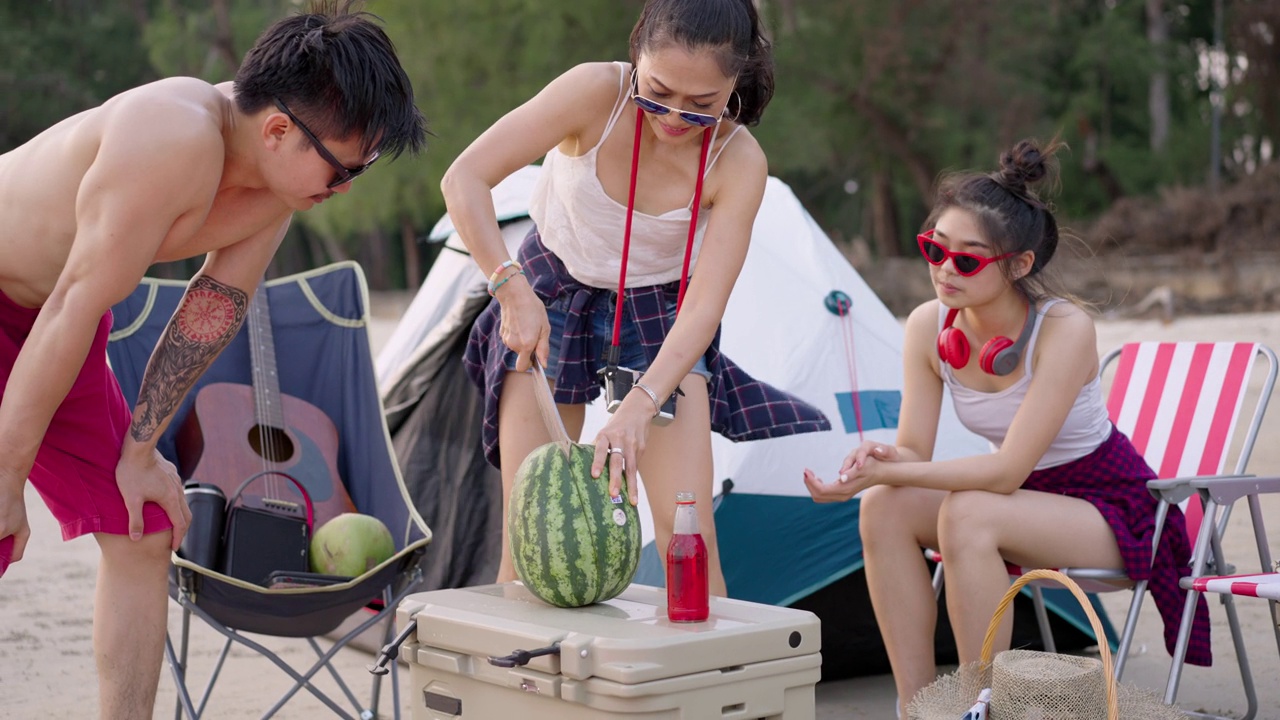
<point>1172,491</point>
<point>1226,489</point>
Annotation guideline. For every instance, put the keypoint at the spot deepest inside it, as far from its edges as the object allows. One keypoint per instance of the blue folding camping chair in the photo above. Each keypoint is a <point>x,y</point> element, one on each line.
<point>316,324</point>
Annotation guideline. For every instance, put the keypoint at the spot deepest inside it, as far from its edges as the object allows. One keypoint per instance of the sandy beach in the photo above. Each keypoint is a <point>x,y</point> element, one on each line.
<point>47,666</point>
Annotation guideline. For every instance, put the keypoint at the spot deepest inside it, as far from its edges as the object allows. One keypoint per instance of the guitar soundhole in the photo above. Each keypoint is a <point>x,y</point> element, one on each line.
<point>271,443</point>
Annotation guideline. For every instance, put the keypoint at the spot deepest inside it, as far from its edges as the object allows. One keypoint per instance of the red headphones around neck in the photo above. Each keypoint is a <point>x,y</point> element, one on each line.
<point>999,355</point>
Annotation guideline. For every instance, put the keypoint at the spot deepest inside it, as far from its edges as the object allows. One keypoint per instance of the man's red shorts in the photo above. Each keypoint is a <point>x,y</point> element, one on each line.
<point>75,469</point>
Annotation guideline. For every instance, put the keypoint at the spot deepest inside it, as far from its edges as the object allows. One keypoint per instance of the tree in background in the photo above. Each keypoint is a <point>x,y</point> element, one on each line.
<point>875,98</point>
<point>63,56</point>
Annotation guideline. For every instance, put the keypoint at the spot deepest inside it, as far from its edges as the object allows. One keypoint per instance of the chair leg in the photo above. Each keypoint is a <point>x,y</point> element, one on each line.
<point>304,680</point>
<point>179,671</point>
<point>262,650</point>
<point>396,697</point>
<point>1211,535</point>
<point>180,667</point>
<point>301,680</point>
<point>333,672</point>
<point>1246,673</point>
<point>1199,561</point>
<point>1275,620</point>
<point>1237,637</point>
<point>1042,619</point>
<point>375,692</point>
<point>1130,627</point>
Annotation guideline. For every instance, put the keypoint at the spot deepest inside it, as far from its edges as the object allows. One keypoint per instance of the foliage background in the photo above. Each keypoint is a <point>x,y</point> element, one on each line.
<point>875,99</point>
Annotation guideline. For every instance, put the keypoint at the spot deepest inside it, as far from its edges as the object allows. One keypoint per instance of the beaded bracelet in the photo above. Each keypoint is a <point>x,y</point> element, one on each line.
<point>493,289</point>
<point>657,406</point>
<point>493,277</point>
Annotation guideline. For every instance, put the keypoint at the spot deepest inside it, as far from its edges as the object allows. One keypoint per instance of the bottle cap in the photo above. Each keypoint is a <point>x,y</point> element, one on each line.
<point>684,498</point>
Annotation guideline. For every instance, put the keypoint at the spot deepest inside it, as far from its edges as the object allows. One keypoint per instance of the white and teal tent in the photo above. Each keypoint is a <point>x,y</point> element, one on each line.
<point>782,325</point>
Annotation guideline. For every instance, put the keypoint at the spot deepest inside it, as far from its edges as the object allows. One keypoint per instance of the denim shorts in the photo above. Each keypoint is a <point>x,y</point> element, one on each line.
<point>599,340</point>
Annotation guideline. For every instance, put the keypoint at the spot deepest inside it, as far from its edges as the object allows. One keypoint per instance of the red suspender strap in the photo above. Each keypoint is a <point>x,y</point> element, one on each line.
<point>693,219</point>
<point>626,236</point>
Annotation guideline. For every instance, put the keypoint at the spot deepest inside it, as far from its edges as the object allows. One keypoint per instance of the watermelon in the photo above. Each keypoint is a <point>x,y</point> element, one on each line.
<point>570,543</point>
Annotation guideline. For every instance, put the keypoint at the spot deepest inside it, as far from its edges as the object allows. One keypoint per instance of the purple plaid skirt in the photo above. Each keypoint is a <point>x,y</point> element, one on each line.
<point>742,408</point>
<point>1114,478</point>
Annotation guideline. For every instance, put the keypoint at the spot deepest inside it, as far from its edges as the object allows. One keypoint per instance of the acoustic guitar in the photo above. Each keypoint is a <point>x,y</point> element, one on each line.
<point>235,431</point>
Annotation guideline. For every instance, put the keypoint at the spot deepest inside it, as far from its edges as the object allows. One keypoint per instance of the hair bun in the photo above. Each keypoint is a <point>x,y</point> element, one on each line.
<point>1024,164</point>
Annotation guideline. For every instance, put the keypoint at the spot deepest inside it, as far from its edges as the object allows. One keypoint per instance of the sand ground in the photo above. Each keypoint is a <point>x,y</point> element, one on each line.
<point>46,608</point>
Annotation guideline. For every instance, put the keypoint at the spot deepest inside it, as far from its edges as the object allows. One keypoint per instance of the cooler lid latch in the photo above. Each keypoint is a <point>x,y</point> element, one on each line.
<point>392,649</point>
<point>522,657</point>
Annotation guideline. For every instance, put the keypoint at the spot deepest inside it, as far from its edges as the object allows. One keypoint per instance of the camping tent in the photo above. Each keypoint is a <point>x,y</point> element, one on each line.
<point>786,323</point>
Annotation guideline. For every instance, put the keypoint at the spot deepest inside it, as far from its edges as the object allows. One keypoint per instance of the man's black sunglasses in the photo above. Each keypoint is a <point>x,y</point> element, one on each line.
<point>345,174</point>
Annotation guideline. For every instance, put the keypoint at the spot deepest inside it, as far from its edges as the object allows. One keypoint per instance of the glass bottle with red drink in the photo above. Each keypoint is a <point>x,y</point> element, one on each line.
<point>688,596</point>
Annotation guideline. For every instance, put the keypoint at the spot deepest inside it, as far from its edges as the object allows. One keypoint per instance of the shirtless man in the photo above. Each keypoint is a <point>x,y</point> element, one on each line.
<point>168,170</point>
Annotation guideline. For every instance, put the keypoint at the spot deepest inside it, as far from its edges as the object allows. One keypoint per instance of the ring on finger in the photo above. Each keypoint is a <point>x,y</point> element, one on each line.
<point>617,450</point>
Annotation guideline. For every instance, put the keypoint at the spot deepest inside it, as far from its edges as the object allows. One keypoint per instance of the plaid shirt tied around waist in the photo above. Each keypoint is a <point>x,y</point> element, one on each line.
<point>1114,479</point>
<point>742,408</point>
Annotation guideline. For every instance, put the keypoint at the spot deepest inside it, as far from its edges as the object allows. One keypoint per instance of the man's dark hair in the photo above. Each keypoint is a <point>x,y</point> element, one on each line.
<point>338,72</point>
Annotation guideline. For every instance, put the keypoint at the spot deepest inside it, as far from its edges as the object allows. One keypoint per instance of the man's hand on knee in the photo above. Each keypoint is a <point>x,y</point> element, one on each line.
<point>152,479</point>
<point>14,530</point>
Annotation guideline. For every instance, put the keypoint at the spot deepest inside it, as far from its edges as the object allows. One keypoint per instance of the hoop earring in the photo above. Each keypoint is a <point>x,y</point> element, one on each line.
<point>738,111</point>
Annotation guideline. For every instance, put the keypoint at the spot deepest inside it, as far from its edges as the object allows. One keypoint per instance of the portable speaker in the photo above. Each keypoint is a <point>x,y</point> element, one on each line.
<point>260,542</point>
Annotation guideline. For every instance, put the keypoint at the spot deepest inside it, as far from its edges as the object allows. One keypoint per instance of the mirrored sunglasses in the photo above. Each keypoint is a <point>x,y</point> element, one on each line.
<point>656,108</point>
<point>966,264</point>
<point>653,107</point>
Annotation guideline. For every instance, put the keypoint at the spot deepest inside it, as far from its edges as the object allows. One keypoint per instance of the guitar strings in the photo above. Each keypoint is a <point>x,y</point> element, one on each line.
<point>266,440</point>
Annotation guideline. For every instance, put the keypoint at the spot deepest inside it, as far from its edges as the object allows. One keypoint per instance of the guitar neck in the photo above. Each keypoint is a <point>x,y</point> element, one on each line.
<point>268,407</point>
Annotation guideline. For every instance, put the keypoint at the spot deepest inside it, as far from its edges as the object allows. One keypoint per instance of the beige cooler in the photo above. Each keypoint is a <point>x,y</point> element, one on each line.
<point>620,659</point>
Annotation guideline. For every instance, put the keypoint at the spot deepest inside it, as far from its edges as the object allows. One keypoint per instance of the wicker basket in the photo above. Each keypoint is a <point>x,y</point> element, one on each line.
<point>1027,685</point>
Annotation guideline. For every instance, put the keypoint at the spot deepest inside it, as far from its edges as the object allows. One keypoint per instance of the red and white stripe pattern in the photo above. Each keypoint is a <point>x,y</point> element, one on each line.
<point>1263,585</point>
<point>1167,393</point>
<point>1178,403</point>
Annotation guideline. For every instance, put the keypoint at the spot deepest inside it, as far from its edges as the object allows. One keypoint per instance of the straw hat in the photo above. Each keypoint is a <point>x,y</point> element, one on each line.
<point>1030,685</point>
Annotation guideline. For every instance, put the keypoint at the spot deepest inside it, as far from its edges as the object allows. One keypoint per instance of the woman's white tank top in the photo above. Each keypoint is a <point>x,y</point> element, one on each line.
<point>584,227</point>
<point>990,414</point>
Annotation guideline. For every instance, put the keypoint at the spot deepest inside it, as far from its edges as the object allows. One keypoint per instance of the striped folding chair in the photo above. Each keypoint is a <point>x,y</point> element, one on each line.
<point>1181,405</point>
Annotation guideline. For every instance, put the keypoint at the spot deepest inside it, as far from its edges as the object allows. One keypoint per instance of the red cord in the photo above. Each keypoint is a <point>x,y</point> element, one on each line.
<point>846,329</point>
<point>626,233</point>
<point>631,208</point>
<point>693,220</point>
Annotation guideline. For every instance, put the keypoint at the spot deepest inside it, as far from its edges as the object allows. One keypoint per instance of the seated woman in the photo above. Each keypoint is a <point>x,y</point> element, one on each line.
<point>1063,486</point>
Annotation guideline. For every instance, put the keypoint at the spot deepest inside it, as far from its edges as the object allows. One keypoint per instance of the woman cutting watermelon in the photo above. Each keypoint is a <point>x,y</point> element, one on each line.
<point>701,71</point>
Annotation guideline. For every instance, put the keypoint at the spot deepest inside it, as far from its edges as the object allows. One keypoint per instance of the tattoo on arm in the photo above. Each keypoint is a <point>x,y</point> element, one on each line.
<point>208,317</point>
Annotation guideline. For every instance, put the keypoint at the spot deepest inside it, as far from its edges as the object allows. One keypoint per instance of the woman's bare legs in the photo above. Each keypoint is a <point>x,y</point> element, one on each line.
<point>979,530</point>
<point>676,458</point>
<point>520,431</point>
<point>895,524</point>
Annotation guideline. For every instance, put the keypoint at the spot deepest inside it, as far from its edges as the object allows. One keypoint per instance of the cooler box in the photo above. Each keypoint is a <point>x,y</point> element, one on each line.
<point>620,659</point>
